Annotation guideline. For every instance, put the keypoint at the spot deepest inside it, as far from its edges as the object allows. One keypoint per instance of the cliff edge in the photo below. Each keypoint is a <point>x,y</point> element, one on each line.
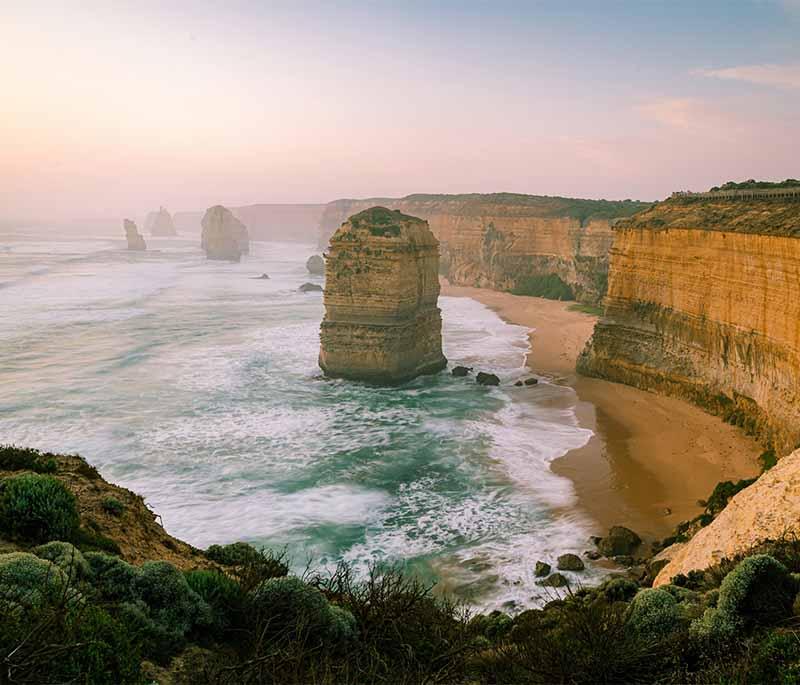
<point>382,323</point>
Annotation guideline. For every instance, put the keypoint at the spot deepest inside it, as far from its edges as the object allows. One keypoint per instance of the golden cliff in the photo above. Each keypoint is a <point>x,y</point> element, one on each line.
<point>704,304</point>
<point>382,323</point>
<point>506,241</point>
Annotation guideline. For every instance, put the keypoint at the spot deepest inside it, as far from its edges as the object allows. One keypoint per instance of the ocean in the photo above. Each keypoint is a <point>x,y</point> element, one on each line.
<point>196,384</point>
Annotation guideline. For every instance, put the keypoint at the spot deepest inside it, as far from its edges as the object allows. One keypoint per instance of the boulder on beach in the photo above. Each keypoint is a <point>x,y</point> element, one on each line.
<point>486,379</point>
<point>531,381</point>
<point>310,288</point>
<point>556,580</point>
<point>316,265</point>
<point>461,371</point>
<point>542,569</point>
<point>620,541</point>
<point>570,562</point>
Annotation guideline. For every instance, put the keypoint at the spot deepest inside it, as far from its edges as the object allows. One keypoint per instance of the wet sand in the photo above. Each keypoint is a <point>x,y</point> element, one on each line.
<point>651,457</point>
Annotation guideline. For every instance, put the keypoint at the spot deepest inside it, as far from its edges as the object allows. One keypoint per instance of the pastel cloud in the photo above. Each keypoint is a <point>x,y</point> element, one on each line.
<point>776,75</point>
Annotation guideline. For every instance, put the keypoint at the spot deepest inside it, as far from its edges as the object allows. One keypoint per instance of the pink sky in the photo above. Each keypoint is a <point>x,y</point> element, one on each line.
<point>114,110</point>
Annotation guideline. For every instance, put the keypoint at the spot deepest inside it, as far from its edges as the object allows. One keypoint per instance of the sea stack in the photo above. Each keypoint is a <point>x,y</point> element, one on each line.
<point>135,239</point>
<point>224,236</point>
<point>382,323</point>
<point>160,224</point>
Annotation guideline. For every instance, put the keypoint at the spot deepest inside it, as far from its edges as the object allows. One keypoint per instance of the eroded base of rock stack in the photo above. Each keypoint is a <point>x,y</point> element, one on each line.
<point>382,323</point>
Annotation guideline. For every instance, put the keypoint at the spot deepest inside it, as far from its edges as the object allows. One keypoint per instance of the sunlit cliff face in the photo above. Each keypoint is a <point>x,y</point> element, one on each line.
<point>115,110</point>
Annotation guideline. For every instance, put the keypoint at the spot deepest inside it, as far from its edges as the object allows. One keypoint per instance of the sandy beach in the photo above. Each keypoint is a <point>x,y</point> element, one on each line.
<point>651,457</point>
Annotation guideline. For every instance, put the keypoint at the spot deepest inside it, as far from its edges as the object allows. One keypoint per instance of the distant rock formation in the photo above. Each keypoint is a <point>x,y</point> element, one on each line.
<point>160,224</point>
<point>224,236</point>
<point>382,323</point>
<point>316,265</point>
<point>135,239</point>
<point>310,288</point>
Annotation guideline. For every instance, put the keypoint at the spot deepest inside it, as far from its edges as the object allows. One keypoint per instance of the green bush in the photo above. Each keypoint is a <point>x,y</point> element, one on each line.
<point>111,505</point>
<point>759,590</point>
<point>293,606</point>
<point>654,614</point>
<point>222,594</point>
<point>38,508</point>
<point>14,458</point>
<point>29,583</point>
<point>66,557</point>
<point>159,641</point>
<point>549,286</point>
<point>776,660</point>
<point>234,554</point>
<point>113,579</point>
<point>619,589</point>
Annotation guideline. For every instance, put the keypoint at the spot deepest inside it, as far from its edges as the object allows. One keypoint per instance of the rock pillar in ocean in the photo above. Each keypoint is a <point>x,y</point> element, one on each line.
<point>382,323</point>
<point>224,236</point>
<point>160,224</point>
<point>135,239</point>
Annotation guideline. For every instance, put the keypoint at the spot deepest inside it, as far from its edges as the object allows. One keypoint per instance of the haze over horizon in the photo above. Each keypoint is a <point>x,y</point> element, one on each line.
<point>113,109</point>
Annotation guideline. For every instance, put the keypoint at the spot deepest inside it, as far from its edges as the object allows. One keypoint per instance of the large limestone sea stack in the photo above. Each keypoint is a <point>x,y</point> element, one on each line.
<point>224,236</point>
<point>160,224</point>
<point>134,238</point>
<point>382,323</point>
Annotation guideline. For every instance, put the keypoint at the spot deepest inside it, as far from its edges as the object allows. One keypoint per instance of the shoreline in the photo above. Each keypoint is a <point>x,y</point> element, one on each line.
<point>651,458</point>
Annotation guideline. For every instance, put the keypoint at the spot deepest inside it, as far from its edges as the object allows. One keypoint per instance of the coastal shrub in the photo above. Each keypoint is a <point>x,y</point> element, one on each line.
<point>292,607</point>
<point>170,600</point>
<point>760,590</point>
<point>66,557</point>
<point>619,589</point>
<point>111,505</point>
<point>28,583</point>
<point>158,641</point>
<point>222,594</point>
<point>549,286</point>
<point>492,626</point>
<point>91,541</point>
<point>722,494</point>
<point>654,614</point>
<point>38,508</point>
<point>776,659</point>
<point>13,458</point>
<point>768,459</point>
<point>112,578</point>
<point>233,554</point>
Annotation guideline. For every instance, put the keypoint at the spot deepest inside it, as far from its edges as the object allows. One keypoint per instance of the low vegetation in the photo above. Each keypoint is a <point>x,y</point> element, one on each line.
<point>549,286</point>
<point>90,617</point>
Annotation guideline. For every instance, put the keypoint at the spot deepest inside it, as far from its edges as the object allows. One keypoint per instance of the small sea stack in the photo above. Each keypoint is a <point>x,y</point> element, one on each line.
<point>132,235</point>
<point>382,323</point>
<point>224,237</point>
<point>160,224</point>
<point>315,265</point>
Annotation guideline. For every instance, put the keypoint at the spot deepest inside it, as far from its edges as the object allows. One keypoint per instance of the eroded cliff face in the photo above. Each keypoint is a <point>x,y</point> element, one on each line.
<point>382,323</point>
<point>224,237</point>
<point>703,304</point>
<point>499,241</point>
<point>134,238</point>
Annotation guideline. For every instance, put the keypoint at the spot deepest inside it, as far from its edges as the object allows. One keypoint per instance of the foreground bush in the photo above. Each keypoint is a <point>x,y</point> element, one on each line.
<point>38,508</point>
<point>67,557</point>
<point>13,458</point>
<point>28,583</point>
<point>112,578</point>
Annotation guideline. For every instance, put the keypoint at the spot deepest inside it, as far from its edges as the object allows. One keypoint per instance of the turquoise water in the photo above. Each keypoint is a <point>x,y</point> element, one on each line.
<point>196,385</point>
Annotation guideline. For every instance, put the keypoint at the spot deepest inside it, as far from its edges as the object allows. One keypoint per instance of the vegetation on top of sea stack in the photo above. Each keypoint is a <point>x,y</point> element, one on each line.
<point>752,184</point>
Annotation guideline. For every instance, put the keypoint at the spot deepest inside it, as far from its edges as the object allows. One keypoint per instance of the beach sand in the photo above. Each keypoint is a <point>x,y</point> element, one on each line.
<point>651,457</point>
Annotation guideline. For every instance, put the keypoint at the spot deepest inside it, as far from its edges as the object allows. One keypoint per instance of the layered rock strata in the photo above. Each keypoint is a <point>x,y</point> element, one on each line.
<point>132,235</point>
<point>704,304</point>
<point>160,224</point>
<point>767,510</point>
<point>506,241</point>
<point>382,323</point>
<point>224,237</point>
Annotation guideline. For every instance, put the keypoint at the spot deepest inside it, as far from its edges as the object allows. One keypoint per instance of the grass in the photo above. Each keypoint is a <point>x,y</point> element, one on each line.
<point>592,309</point>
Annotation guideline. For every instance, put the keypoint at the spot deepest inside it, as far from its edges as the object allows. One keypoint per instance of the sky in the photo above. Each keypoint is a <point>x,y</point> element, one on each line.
<point>114,108</point>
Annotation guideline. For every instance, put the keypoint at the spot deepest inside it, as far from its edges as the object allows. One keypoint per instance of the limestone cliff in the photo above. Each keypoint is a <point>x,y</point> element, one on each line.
<point>382,323</point>
<point>767,510</point>
<point>160,224</point>
<point>505,241</point>
<point>704,304</point>
<point>224,236</point>
<point>134,238</point>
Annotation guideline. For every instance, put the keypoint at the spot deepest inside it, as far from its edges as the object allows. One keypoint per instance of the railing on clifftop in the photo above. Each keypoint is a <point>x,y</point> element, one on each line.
<point>790,192</point>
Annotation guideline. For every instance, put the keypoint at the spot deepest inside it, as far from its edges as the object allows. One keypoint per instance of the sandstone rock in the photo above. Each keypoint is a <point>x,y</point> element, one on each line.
<point>619,541</point>
<point>382,323</point>
<point>592,554</point>
<point>486,379</point>
<point>766,510</point>
<point>518,384</point>
<point>135,239</point>
<point>224,237</point>
<point>316,265</point>
<point>310,288</point>
<point>542,569</point>
<point>570,562</point>
<point>531,381</point>
<point>461,371</point>
<point>160,224</point>
<point>555,580</point>
<point>703,304</point>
